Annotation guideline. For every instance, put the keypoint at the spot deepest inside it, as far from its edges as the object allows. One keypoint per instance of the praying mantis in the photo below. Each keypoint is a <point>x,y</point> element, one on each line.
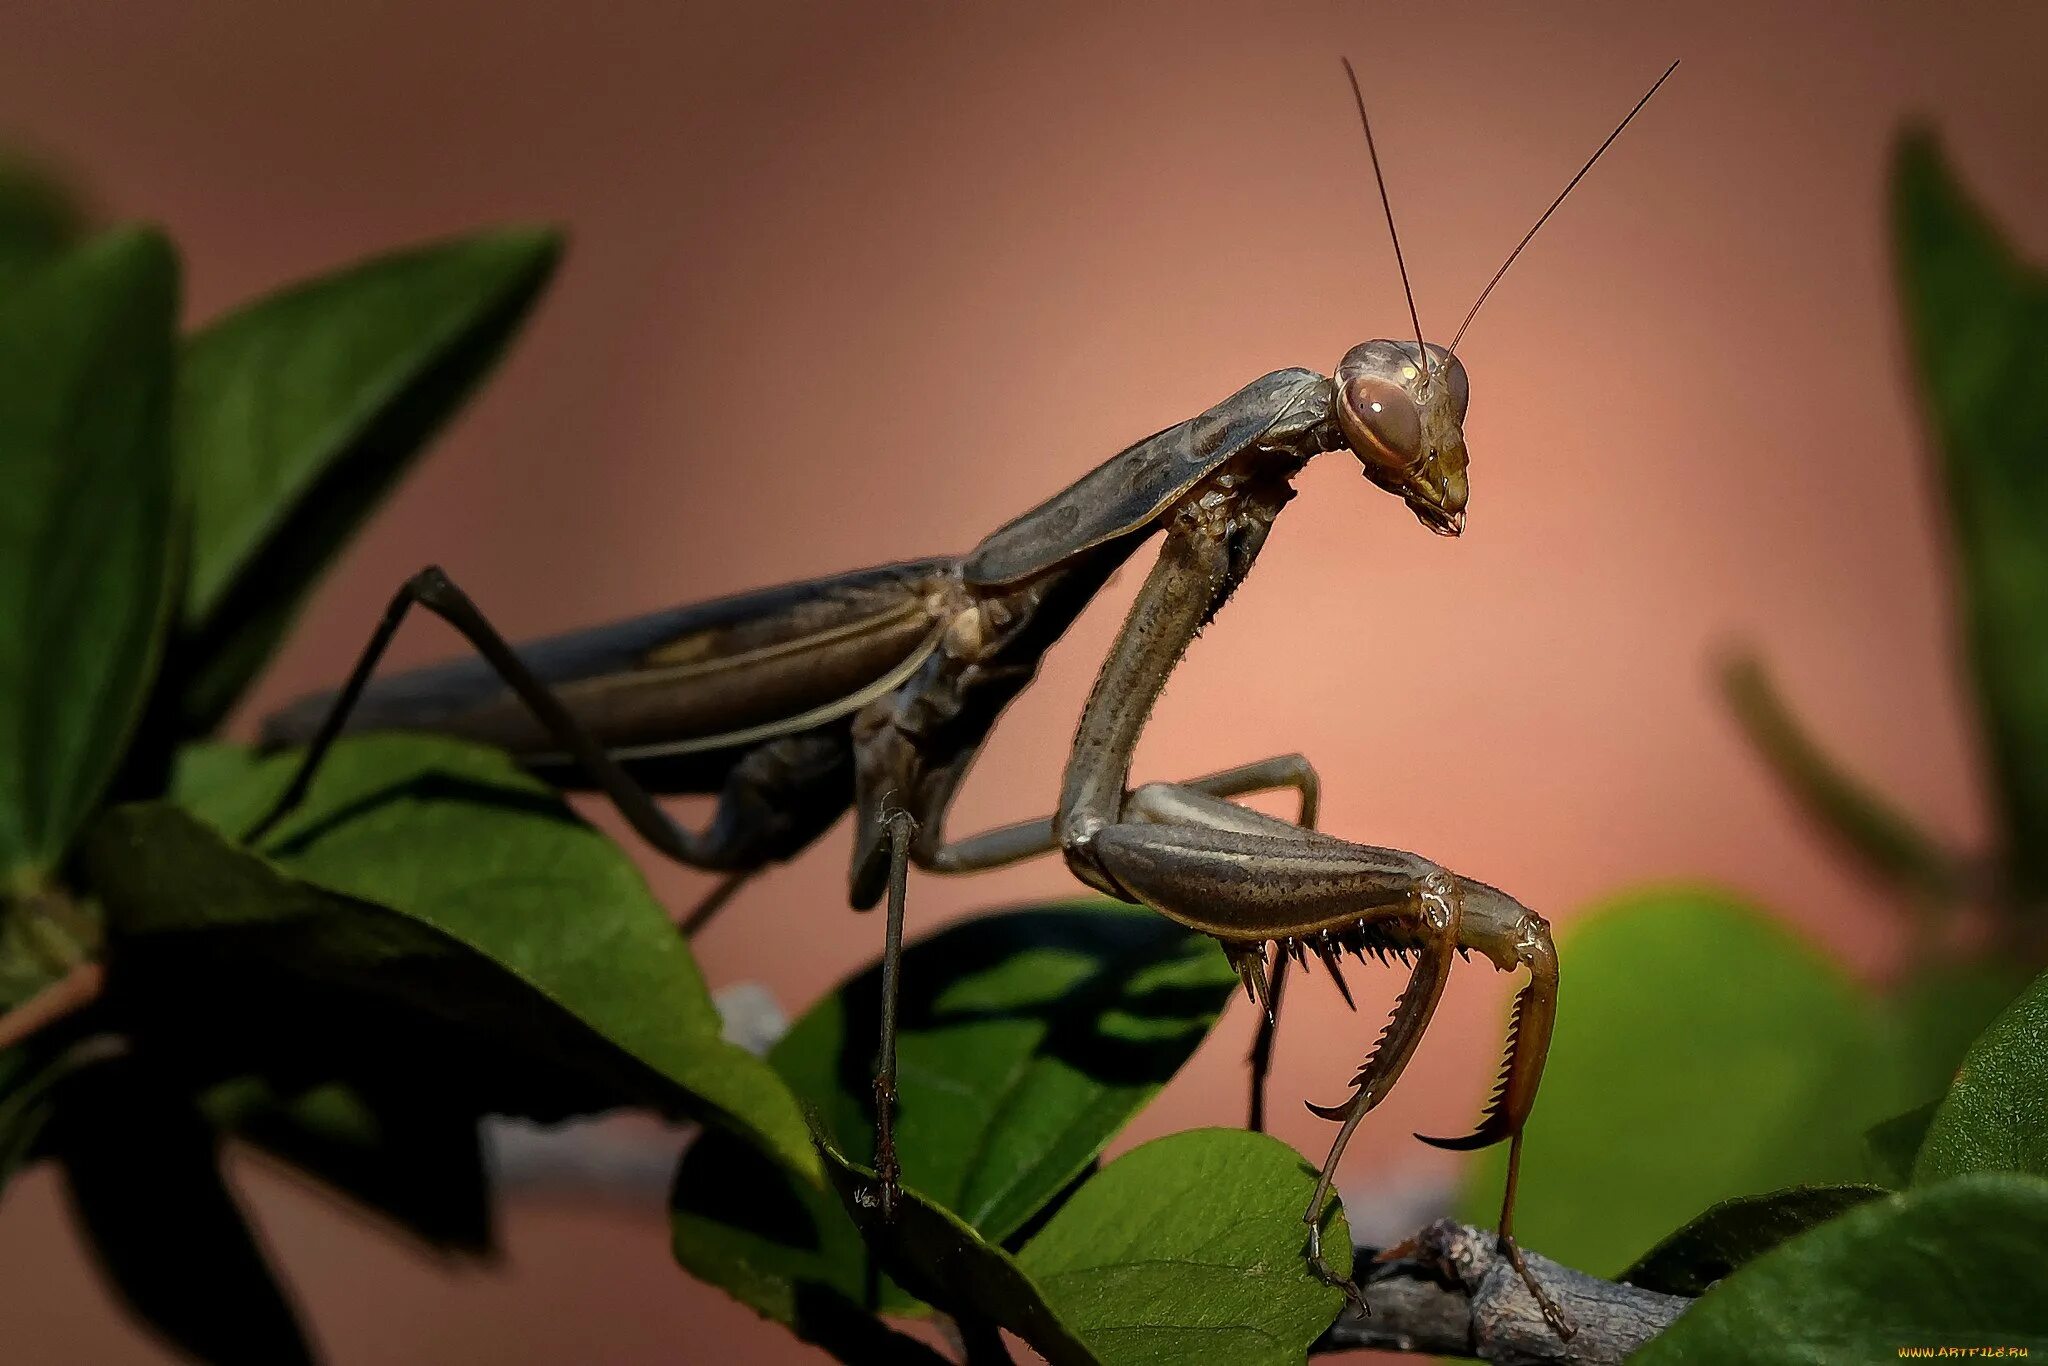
<point>876,689</point>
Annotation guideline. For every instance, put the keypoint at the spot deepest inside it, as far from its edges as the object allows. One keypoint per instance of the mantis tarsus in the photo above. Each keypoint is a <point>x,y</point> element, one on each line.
<point>876,689</point>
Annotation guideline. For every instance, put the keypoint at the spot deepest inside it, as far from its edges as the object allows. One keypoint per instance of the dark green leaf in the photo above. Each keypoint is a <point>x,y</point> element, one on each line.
<point>1894,1143</point>
<point>1701,1053</point>
<point>1189,1249</point>
<point>1995,1117</point>
<point>39,218</point>
<point>1961,1264</point>
<point>1932,1020</point>
<point>773,1241</point>
<point>1977,322</point>
<point>1027,1039</point>
<point>297,413</point>
<point>145,1184</point>
<point>945,1261</point>
<point>1735,1232</point>
<point>415,1160</point>
<point>430,915</point>
<point>85,532</point>
<point>1871,831</point>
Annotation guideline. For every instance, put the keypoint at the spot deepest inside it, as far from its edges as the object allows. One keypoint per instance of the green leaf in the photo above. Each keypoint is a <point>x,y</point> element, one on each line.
<point>1995,1117</point>
<point>776,1243</point>
<point>433,916</point>
<point>1027,1039</point>
<point>39,218</point>
<point>1189,1249</point>
<point>1959,1264</point>
<point>1867,828</point>
<point>1737,1231</point>
<point>1977,323</point>
<point>297,413</point>
<point>85,532</point>
<point>144,1180</point>
<point>1702,1052</point>
<point>416,1160</point>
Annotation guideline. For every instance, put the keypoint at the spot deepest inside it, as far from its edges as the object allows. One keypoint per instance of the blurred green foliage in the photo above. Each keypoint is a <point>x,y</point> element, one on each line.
<point>1976,324</point>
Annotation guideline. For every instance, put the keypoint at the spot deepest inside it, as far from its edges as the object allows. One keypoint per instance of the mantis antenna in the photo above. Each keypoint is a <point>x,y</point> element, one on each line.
<point>1553,206</point>
<point>1421,351</point>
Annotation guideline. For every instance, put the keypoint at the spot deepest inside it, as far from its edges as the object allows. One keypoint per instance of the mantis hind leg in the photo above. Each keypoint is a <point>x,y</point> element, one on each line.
<point>776,799</point>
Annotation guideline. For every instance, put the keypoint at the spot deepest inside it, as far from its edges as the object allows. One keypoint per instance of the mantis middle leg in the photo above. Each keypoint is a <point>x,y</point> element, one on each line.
<point>909,844</point>
<point>1030,839</point>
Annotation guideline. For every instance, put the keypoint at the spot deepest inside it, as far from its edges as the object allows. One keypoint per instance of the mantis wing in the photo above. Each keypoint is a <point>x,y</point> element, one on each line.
<point>720,674</point>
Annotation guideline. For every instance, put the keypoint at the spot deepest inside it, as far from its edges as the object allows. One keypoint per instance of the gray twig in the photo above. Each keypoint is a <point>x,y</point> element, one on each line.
<point>1448,1290</point>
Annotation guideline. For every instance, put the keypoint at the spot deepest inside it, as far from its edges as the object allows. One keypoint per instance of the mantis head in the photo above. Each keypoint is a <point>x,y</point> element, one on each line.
<point>1401,406</point>
<point>1403,416</point>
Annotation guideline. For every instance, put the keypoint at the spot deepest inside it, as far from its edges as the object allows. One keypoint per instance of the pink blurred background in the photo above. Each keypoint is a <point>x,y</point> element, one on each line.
<point>851,283</point>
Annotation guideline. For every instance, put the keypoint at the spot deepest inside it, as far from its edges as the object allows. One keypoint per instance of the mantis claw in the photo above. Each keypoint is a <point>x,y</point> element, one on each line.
<point>1353,1296</point>
<point>1552,1313</point>
<point>1334,1113</point>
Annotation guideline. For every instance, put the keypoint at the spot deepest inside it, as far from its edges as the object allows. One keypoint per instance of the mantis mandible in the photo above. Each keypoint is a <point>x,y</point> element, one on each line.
<point>876,689</point>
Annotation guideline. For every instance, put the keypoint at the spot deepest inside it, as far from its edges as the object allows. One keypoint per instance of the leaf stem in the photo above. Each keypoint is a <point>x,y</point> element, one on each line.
<point>72,992</point>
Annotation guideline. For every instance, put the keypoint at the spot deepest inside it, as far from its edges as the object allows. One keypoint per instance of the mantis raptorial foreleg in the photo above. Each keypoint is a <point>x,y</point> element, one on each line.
<point>1214,868</point>
<point>1260,1059</point>
<point>1249,879</point>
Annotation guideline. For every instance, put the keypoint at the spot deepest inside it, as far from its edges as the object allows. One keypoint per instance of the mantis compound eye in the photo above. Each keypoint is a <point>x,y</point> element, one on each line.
<point>1453,376</point>
<point>1381,421</point>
